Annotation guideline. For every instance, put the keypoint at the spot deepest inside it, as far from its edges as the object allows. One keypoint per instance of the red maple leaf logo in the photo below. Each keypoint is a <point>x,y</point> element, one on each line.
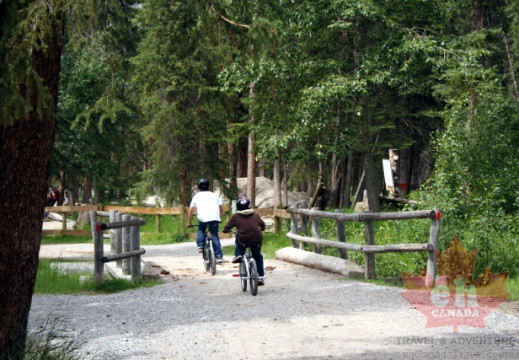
<point>457,299</point>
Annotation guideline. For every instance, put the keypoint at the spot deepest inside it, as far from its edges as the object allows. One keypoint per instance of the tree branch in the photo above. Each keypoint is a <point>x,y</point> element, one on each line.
<point>228,20</point>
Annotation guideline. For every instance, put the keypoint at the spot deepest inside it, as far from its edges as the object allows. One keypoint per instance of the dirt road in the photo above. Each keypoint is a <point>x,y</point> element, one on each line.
<point>300,314</point>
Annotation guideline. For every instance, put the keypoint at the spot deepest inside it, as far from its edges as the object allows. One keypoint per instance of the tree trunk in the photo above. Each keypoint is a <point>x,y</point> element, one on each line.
<point>233,181</point>
<point>346,187</point>
<point>87,191</point>
<point>372,184</point>
<point>251,156</point>
<point>242,161</point>
<point>25,154</point>
<point>285,181</point>
<point>404,168</point>
<point>277,182</point>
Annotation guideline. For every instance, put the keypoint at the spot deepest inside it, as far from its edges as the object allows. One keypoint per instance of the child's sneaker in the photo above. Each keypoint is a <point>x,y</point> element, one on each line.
<point>219,260</point>
<point>261,282</point>
<point>237,259</point>
<point>200,250</point>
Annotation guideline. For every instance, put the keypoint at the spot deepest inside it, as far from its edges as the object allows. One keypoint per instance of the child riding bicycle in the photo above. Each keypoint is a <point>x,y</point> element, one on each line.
<point>249,227</point>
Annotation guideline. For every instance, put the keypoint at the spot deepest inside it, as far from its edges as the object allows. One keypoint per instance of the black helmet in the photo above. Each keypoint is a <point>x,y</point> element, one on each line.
<point>203,184</point>
<point>243,203</point>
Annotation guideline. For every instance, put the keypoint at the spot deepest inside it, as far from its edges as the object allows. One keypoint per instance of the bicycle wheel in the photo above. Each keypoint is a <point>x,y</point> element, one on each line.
<point>207,257</point>
<point>212,261</point>
<point>253,277</point>
<point>243,275</point>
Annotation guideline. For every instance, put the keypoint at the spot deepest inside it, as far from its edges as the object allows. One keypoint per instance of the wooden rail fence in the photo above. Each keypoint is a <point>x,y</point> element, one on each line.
<point>279,215</point>
<point>124,243</point>
<point>368,248</point>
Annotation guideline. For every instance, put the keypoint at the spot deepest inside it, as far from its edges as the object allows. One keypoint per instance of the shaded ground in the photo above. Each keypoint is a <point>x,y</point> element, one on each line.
<point>300,314</point>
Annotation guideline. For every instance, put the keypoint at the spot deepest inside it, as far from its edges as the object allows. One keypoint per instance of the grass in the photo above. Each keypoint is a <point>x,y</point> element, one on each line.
<point>58,239</point>
<point>47,343</point>
<point>52,281</point>
<point>512,285</point>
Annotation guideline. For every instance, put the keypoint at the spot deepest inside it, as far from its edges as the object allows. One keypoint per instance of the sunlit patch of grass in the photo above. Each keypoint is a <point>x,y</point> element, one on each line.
<point>53,281</point>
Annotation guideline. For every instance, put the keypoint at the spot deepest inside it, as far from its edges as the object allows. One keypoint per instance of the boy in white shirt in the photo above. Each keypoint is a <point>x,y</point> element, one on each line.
<point>209,211</point>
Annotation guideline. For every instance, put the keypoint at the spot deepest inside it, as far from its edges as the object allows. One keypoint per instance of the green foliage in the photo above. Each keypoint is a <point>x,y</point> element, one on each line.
<point>52,281</point>
<point>46,342</point>
<point>177,92</point>
<point>58,239</point>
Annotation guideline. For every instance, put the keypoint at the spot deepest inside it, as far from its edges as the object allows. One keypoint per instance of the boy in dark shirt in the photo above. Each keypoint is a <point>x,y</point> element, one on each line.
<point>249,227</point>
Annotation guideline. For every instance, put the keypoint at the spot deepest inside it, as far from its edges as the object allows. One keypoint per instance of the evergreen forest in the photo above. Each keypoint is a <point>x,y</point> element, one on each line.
<point>153,95</point>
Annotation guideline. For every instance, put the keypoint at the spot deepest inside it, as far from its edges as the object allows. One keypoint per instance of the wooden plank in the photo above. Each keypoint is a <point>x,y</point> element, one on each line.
<point>281,213</point>
<point>375,249</point>
<point>115,225</point>
<point>367,216</point>
<point>143,210</point>
<point>68,209</point>
<point>67,232</point>
<point>126,255</point>
<point>221,235</point>
<point>265,211</point>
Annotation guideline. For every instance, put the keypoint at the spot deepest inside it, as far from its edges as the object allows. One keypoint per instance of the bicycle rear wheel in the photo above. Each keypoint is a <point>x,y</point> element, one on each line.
<point>212,261</point>
<point>253,277</point>
<point>243,275</point>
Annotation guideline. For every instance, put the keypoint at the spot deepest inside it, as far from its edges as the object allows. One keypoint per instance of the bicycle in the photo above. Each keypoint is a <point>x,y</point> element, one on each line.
<point>208,253</point>
<point>248,271</point>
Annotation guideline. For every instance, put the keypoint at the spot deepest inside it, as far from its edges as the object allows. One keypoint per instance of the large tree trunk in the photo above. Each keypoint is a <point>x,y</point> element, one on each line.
<point>25,154</point>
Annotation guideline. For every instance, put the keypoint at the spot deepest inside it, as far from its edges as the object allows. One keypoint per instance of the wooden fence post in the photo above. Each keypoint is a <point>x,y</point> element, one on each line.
<point>126,245</point>
<point>316,230</point>
<point>434,235</point>
<point>135,261</point>
<point>63,221</point>
<point>119,242</point>
<point>293,228</point>
<point>113,234</point>
<point>93,221</point>
<point>182,220</point>
<point>341,236</point>
<point>157,223</point>
<point>98,253</point>
<point>369,259</point>
<point>277,224</point>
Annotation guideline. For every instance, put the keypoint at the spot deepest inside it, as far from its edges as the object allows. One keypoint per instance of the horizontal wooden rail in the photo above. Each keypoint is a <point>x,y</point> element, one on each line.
<point>144,210</point>
<point>67,209</point>
<point>368,249</point>
<point>124,255</point>
<point>121,224</point>
<point>367,216</point>
<point>67,232</point>
<point>281,213</point>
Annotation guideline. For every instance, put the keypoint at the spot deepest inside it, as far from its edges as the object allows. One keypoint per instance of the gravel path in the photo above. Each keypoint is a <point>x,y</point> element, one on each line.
<point>300,314</point>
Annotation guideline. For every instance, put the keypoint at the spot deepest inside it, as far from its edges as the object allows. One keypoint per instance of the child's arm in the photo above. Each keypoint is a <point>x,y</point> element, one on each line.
<point>230,224</point>
<point>261,223</point>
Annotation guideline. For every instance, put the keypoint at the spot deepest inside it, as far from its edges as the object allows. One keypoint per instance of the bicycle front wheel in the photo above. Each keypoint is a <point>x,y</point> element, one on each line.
<point>212,261</point>
<point>253,277</point>
<point>207,258</point>
<point>243,275</point>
